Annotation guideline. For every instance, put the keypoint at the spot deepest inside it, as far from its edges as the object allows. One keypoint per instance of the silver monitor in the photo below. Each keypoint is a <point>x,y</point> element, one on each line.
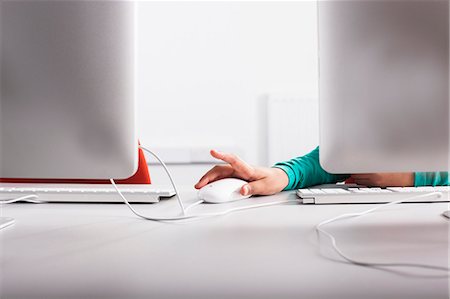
<point>384,85</point>
<point>67,89</point>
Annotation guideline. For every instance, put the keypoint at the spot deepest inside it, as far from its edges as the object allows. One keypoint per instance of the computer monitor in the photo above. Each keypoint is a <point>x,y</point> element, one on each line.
<point>67,107</point>
<point>384,85</point>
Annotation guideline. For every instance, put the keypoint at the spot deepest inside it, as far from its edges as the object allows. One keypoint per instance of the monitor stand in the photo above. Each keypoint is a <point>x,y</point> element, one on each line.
<point>6,221</point>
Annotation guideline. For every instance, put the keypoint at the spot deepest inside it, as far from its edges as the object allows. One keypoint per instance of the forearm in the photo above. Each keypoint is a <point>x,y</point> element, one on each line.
<point>431,179</point>
<point>306,171</point>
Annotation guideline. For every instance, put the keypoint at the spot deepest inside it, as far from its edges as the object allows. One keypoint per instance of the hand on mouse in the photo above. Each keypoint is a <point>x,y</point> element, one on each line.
<point>384,179</point>
<point>262,180</point>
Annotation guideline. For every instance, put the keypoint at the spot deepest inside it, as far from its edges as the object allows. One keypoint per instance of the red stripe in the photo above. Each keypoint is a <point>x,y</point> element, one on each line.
<point>141,176</point>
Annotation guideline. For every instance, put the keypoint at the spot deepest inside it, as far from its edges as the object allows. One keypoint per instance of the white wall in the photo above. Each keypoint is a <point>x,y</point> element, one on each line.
<point>203,68</point>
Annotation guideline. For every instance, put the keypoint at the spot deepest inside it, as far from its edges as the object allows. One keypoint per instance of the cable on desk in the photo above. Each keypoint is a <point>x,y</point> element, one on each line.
<point>321,230</point>
<point>184,216</point>
<point>27,198</point>
<point>197,216</point>
<point>194,204</point>
<point>177,194</point>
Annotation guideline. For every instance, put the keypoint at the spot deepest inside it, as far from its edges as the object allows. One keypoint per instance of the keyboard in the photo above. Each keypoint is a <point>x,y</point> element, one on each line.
<point>85,192</point>
<point>370,195</point>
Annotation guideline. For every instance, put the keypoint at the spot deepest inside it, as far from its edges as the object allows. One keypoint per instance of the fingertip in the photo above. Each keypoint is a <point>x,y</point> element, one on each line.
<point>215,153</point>
<point>242,190</point>
<point>245,190</point>
<point>201,183</point>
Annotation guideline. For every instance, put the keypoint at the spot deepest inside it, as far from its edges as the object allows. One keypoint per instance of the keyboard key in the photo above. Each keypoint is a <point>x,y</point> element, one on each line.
<point>335,191</point>
<point>305,191</point>
<point>317,191</point>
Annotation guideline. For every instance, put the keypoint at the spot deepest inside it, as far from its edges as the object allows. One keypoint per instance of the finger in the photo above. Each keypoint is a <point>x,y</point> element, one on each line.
<point>216,173</point>
<point>229,158</point>
<point>360,179</point>
<point>362,182</point>
<point>255,188</point>
<point>362,175</point>
<point>238,165</point>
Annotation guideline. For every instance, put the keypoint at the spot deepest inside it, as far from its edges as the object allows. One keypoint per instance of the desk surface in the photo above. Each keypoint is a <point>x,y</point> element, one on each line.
<point>103,251</point>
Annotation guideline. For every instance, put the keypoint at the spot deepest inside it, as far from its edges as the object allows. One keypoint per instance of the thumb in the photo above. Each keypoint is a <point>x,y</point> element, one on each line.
<point>254,188</point>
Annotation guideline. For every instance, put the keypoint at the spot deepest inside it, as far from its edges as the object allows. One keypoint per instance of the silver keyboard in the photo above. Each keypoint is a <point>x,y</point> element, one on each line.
<point>85,192</point>
<point>370,195</point>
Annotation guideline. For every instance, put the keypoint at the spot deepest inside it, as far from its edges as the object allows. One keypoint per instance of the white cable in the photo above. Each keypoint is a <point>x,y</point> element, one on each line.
<point>319,228</point>
<point>177,194</point>
<point>196,216</point>
<point>351,260</point>
<point>194,204</point>
<point>28,198</point>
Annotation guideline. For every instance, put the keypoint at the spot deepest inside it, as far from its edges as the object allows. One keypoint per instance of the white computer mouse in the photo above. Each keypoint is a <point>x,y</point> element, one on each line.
<point>222,191</point>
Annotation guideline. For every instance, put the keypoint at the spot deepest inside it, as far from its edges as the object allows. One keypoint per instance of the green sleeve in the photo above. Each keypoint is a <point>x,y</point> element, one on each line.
<point>431,179</point>
<point>306,171</point>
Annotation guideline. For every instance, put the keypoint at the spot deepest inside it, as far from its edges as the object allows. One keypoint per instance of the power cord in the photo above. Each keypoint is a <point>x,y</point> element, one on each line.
<point>321,230</point>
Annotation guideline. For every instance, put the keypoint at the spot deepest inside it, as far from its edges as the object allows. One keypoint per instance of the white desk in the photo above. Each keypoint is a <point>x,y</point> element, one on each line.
<point>103,251</point>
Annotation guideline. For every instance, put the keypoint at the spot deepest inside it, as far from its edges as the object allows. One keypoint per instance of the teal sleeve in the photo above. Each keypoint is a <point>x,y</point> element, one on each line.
<point>431,179</point>
<point>306,171</point>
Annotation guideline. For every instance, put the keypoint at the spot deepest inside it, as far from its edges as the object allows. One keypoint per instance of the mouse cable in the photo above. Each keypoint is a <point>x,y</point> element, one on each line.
<point>177,194</point>
<point>194,204</point>
<point>184,216</point>
<point>197,216</point>
<point>27,198</point>
<point>321,230</point>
